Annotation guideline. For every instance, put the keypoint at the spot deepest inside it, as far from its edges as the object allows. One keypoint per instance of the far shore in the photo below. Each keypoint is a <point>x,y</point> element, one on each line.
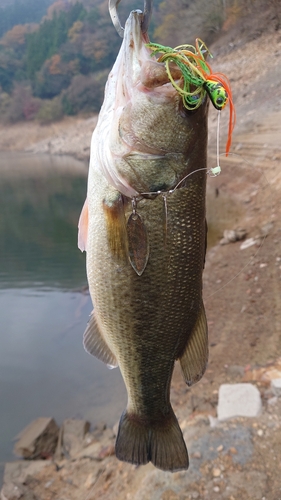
<point>70,136</point>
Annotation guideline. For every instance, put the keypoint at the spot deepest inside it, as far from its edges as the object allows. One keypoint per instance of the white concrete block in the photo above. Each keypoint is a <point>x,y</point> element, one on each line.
<point>238,400</point>
<point>276,386</point>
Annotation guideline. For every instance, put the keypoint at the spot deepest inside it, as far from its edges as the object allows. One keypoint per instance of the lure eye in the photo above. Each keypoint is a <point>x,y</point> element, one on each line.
<point>221,101</point>
<point>217,94</point>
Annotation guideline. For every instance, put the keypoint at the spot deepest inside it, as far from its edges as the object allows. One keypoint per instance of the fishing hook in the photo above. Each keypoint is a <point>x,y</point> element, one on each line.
<point>147,11</point>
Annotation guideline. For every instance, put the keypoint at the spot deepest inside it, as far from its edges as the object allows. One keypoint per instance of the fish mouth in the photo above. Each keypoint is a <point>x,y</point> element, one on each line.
<point>141,70</point>
<point>139,108</point>
<point>134,37</point>
<point>135,50</point>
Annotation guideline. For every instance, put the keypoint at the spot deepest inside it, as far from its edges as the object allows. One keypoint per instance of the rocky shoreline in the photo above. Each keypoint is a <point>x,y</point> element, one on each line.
<point>75,463</point>
<point>71,136</point>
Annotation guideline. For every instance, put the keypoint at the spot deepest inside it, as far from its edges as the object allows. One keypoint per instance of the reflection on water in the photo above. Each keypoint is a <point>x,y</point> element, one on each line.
<point>40,199</point>
<point>44,370</point>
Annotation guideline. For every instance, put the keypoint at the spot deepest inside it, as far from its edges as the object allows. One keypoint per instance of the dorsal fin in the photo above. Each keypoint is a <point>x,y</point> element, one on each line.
<point>83,227</point>
<point>195,356</point>
<point>96,345</point>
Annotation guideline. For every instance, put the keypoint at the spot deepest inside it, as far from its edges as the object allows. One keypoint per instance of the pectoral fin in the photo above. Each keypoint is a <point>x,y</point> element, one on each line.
<point>116,224</point>
<point>83,227</point>
<point>195,357</point>
<point>95,344</point>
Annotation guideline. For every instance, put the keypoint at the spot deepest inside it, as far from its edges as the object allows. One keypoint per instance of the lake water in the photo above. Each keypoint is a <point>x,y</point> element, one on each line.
<point>44,303</point>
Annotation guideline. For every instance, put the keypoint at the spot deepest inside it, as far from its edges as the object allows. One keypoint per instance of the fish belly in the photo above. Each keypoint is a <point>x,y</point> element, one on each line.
<point>147,322</point>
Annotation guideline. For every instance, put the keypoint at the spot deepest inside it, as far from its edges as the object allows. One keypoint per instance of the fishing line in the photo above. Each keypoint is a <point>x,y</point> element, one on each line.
<point>166,219</point>
<point>214,172</point>
<point>218,139</point>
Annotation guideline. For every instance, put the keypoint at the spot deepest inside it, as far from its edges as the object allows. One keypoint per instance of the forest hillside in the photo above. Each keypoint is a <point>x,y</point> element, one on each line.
<point>55,56</point>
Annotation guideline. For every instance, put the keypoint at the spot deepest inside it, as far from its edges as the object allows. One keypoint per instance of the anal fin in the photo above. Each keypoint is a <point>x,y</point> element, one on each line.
<point>195,356</point>
<point>95,344</point>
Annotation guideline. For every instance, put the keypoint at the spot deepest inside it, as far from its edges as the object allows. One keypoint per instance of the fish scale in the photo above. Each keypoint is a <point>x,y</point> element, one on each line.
<point>147,317</point>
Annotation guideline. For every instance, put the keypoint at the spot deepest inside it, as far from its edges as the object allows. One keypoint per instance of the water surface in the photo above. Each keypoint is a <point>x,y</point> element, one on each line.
<point>44,303</point>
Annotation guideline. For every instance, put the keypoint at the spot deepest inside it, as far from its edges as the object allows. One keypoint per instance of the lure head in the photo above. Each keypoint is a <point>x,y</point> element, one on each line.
<point>217,93</point>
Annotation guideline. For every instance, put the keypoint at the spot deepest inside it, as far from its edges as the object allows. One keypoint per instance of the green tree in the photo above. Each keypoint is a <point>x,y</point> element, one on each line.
<point>21,12</point>
<point>52,33</point>
<point>53,77</point>
<point>10,67</point>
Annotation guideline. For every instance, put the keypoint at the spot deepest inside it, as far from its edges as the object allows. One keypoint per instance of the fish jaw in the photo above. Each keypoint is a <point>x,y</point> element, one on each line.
<point>143,121</point>
<point>117,93</point>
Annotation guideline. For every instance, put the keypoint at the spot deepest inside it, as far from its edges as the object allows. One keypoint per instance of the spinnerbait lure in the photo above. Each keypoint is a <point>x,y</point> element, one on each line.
<point>197,78</point>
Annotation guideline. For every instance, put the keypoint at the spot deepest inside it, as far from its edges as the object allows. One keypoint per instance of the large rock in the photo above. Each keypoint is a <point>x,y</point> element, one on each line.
<point>232,235</point>
<point>238,400</point>
<point>276,386</point>
<point>15,477</point>
<point>71,438</point>
<point>38,439</point>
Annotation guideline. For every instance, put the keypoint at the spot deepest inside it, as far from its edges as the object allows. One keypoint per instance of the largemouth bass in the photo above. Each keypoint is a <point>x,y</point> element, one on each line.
<point>145,235</point>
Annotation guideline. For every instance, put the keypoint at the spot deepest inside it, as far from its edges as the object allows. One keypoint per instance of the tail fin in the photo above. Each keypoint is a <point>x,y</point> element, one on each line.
<point>161,443</point>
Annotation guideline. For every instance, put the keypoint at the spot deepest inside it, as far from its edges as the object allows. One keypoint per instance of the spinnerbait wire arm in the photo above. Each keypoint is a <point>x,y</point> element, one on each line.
<point>147,11</point>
